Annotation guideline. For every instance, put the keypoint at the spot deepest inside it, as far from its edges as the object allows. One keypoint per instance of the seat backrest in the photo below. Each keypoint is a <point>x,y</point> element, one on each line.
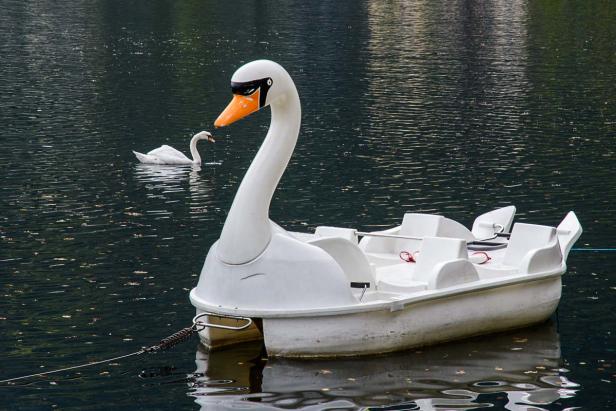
<point>417,225</point>
<point>429,225</point>
<point>435,250</point>
<point>526,237</point>
<point>326,231</point>
<point>420,225</point>
<point>452,229</point>
<point>568,231</point>
<point>349,257</point>
<point>484,226</point>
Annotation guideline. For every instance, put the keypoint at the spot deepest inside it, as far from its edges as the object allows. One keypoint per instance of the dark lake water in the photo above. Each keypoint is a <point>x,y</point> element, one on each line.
<point>453,107</point>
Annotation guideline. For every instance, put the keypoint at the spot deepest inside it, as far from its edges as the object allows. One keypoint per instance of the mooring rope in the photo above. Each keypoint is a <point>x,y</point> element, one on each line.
<point>90,364</point>
<point>164,344</point>
<point>593,249</point>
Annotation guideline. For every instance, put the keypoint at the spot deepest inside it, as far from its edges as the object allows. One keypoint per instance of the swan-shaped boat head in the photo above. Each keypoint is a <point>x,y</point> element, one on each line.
<point>248,230</point>
<point>254,86</point>
<point>255,261</point>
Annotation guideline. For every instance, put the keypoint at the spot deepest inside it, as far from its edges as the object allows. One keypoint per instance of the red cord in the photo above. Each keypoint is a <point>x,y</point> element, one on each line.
<point>410,258</point>
<point>488,258</point>
<point>407,256</point>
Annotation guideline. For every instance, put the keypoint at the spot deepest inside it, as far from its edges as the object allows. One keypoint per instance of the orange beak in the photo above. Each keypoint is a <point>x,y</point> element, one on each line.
<point>238,108</point>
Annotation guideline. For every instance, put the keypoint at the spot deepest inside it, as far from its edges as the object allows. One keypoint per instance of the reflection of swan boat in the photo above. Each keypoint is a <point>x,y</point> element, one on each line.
<point>326,294</point>
<point>524,365</point>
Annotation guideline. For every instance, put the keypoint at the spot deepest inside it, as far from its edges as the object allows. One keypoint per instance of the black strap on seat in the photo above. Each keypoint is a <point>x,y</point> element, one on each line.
<point>485,245</point>
<point>360,284</point>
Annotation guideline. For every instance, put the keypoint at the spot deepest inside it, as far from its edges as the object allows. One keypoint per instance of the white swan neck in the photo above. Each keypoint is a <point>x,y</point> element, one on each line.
<point>196,158</point>
<point>247,230</point>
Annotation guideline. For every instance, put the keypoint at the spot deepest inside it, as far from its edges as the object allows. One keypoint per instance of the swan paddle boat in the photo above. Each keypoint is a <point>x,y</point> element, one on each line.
<point>168,155</point>
<point>341,292</point>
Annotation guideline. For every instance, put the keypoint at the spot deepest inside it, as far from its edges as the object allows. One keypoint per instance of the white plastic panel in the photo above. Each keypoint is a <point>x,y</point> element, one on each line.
<point>327,231</point>
<point>526,237</point>
<point>349,257</point>
<point>436,250</point>
<point>568,231</point>
<point>486,224</point>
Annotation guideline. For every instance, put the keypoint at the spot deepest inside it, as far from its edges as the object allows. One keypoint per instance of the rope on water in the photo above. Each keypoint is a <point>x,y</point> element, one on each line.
<point>198,324</point>
<point>164,344</point>
<point>594,249</point>
<point>90,364</point>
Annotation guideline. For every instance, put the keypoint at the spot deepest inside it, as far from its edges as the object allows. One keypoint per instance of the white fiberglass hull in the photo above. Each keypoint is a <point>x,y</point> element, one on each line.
<point>425,322</point>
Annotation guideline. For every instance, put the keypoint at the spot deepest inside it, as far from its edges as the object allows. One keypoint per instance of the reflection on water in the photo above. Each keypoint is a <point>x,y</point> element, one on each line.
<point>170,178</point>
<point>517,371</point>
<point>162,181</point>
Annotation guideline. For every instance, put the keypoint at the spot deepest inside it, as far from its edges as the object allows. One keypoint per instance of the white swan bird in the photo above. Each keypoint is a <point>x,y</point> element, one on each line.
<point>325,294</point>
<point>168,155</point>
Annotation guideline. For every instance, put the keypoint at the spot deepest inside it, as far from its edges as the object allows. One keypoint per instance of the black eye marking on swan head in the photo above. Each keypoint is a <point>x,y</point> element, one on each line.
<point>248,88</point>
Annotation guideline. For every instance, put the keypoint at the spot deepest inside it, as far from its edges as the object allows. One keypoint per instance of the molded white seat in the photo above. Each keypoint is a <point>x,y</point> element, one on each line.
<point>430,225</point>
<point>327,231</point>
<point>436,250</point>
<point>532,249</point>
<point>304,237</point>
<point>441,262</point>
<point>413,225</point>
<point>349,257</point>
<point>416,225</point>
<point>398,278</point>
<point>487,224</point>
<point>524,238</point>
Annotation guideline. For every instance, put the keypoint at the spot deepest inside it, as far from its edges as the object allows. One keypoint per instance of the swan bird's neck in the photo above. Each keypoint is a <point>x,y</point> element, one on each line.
<point>196,158</point>
<point>247,230</point>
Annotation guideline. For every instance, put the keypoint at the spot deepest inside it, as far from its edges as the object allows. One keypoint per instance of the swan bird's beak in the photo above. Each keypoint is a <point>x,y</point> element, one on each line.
<point>238,108</point>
